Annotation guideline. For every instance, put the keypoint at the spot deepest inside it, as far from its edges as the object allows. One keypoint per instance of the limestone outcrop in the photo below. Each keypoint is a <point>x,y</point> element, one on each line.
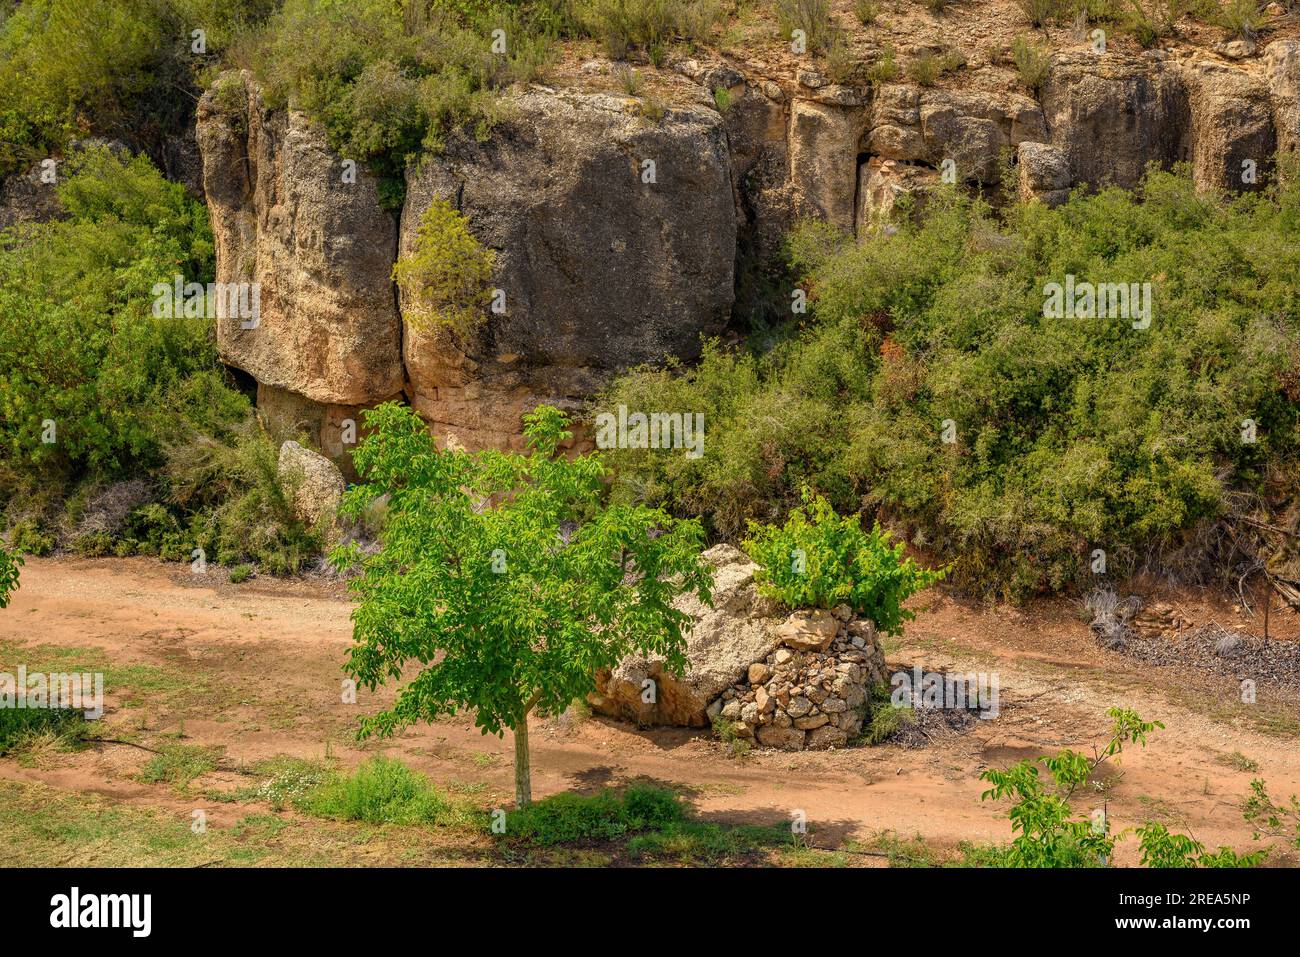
<point>615,242</point>
<point>317,247</point>
<point>1115,113</point>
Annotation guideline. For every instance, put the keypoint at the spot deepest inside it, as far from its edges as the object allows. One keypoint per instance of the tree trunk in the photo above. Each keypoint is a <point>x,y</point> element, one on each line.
<point>523,771</point>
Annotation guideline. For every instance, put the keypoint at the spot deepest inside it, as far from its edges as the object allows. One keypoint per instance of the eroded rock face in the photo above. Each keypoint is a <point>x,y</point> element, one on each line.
<point>319,248</point>
<point>605,261</point>
<point>1114,114</point>
<point>27,198</point>
<point>824,158</point>
<point>970,128</point>
<point>739,630</point>
<point>1232,135</point>
<point>1282,73</point>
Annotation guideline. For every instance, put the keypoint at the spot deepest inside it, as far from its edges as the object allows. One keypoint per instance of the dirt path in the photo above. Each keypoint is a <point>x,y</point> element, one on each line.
<point>255,668</point>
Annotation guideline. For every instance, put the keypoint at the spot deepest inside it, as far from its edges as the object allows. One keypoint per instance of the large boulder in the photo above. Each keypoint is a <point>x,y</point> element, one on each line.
<point>1232,135</point>
<point>723,642</point>
<point>615,242</point>
<point>1043,173</point>
<point>288,218</point>
<point>315,482</point>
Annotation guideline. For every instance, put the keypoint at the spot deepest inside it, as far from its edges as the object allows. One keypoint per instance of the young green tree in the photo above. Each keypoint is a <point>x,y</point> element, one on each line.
<point>8,575</point>
<point>1049,835</point>
<point>504,583</point>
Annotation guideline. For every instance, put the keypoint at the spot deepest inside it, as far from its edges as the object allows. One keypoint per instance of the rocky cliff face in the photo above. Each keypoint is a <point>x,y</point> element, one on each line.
<point>617,235</point>
<point>615,242</point>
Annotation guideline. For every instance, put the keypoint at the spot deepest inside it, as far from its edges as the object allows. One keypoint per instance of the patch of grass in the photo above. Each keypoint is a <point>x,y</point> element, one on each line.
<point>813,17</point>
<point>927,68</point>
<point>134,684</point>
<point>180,764</point>
<point>867,11</point>
<point>285,780</point>
<point>564,818</point>
<point>629,80</point>
<point>883,718</point>
<point>694,842</point>
<point>655,823</point>
<point>383,791</point>
<point>42,826</point>
<point>885,69</point>
<point>1238,762</point>
<point>240,573</point>
<point>1241,18</point>
<point>904,852</point>
<point>23,728</point>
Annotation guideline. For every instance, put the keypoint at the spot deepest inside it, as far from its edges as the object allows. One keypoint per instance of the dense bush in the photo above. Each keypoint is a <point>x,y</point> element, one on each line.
<point>89,378</point>
<point>388,80</point>
<point>124,68</point>
<point>609,814</point>
<point>819,560</point>
<point>1071,434</point>
<point>9,565</point>
<point>119,392</point>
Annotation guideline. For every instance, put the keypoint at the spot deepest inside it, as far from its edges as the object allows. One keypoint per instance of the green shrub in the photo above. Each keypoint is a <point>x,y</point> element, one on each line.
<point>813,17</point>
<point>885,69</point>
<point>622,26</point>
<point>868,11</point>
<point>1041,12</point>
<point>236,505</point>
<point>565,817</point>
<point>1032,61</point>
<point>240,573</point>
<point>445,276</point>
<point>928,67</point>
<point>388,80</point>
<point>381,791</point>
<point>179,765</point>
<point>1241,18</point>
<point>9,565</point>
<point>83,361</point>
<point>21,727</point>
<point>819,560</point>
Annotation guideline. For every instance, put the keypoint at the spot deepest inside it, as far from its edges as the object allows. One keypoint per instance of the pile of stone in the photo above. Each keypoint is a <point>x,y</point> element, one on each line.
<point>791,681</point>
<point>812,691</point>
